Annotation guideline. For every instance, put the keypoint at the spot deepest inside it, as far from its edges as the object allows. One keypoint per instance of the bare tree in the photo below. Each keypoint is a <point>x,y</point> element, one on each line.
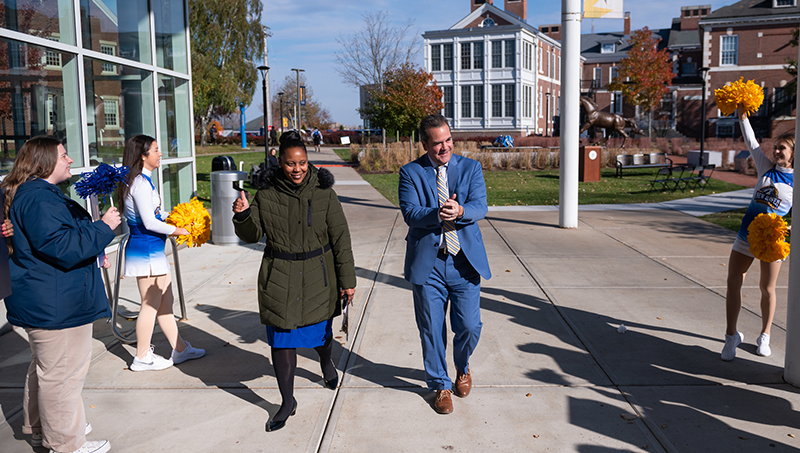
<point>366,55</point>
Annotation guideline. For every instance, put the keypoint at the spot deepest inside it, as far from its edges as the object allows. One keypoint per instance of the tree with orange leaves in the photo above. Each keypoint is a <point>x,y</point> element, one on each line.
<point>409,95</point>
<point>648,72</point>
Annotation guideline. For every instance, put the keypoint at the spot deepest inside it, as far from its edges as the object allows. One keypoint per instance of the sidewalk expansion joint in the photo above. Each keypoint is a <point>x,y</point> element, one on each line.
<point>650,429</point>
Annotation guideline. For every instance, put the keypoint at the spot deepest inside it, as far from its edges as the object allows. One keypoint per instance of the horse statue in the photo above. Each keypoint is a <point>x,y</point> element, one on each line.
<point>611,122</point>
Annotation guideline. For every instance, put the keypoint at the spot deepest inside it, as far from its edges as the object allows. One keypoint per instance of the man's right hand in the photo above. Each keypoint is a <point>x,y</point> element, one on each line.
<point>112,218</point>
<point>241,204</point>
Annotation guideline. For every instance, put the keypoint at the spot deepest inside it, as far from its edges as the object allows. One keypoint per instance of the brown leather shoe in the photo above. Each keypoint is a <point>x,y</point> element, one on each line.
<point>463,383</point>
<point>444,402</point>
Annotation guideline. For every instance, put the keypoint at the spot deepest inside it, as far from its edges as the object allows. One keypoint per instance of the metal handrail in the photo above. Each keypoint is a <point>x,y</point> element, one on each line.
<point>114,300</point>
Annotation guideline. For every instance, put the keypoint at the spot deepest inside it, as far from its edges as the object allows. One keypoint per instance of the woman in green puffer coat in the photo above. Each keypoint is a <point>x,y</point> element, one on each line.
<point>307,264</point>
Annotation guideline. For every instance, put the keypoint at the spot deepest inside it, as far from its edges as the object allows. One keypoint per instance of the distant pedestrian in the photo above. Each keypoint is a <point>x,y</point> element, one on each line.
<point>57,293</point>
<point>445,255</point>
<point>145,258</point>
<point>773,194</point>
<point>212,133</point>
<point>306,268</point>
<point>273,158</point>
<point>316,135</point>
<point>273,136</point>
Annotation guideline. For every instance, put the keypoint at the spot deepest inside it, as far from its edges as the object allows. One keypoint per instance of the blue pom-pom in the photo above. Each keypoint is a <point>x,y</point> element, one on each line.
<point>102,181</point>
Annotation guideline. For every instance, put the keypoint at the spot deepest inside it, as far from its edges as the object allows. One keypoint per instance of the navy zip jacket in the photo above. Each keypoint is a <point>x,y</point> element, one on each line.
<point>55,281</point>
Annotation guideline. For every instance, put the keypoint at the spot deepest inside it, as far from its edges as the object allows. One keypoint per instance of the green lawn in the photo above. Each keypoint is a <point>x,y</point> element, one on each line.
<point>343,153</point>
<point>510,188</point>
<point>732,220</point>
<point>204,173</point>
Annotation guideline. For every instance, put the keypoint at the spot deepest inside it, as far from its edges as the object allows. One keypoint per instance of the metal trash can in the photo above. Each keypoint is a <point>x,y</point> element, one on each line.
<point>223,163</point>
<point>223,194</point>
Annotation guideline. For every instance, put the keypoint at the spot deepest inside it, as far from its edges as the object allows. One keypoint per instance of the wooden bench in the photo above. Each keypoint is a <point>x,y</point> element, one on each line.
<point>652,160</point>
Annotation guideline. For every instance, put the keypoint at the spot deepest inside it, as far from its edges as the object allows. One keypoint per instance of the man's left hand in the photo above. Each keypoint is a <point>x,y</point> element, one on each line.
<point>451,210</point>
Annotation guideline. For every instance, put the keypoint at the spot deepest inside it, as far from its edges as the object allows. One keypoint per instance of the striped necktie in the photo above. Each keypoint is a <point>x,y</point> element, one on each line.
<point>451,244</point>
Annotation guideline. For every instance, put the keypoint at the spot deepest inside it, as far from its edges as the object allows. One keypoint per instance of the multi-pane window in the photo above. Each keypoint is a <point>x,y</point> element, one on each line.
<point>689,69</point>
<point>607,47</point>
<point>730,50</point>
<point>497,54</point>
<point>447,53</point>
<point>477,99</point>
<point>52,58</point>
<point>558,66</point>
<point>539,104</point>
<point>549,70</point>
<point>111,113</point>
<point>466,101</point>
<point>527,58</point>
<point>472,101</point>
<point>108,49</point>
<point>448,101</point>
<point>466,58</point>
<point>779,3</point>
<point>510,100</point>
<point>616,103</point>
<point>477,55</point>
<point>497,101</point>
<point>613,73</point>
<point>510,54</point>
<point>526,101</point>
<point>597,77</point>
<point>436,57</point>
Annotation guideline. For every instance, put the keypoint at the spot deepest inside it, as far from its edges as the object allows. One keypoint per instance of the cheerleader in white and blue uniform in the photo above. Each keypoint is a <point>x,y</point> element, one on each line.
<point>773,194</point>
<point>145,258</point>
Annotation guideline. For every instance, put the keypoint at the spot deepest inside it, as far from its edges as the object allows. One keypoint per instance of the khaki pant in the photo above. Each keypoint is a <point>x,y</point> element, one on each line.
<point>52,402</point>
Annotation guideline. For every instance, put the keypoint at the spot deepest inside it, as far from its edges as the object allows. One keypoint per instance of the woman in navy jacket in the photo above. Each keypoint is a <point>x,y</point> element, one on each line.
<point>57,292</point>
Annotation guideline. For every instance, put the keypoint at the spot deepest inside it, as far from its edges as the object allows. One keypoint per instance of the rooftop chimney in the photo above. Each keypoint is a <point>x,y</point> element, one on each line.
<point>475,4</point>
<point>518,7</point>
<point>627,29</point>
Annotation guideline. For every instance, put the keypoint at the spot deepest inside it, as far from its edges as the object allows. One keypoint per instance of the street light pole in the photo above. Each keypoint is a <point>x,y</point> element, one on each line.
<point>297,104</point>
<point>280,99</point>
<point>703,72</point>
<point>264,72</point>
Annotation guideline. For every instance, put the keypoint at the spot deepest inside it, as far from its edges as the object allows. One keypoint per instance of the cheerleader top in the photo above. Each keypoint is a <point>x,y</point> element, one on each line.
<point>143,205</point>
<point>774,189</point>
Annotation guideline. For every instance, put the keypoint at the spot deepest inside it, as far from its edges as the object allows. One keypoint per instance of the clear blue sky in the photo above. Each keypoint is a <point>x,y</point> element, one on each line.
<point>304,35</point>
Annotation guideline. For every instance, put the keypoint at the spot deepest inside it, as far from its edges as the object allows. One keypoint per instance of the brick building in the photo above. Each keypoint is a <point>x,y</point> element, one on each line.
<point>498,74</point>
<point>750,39</point>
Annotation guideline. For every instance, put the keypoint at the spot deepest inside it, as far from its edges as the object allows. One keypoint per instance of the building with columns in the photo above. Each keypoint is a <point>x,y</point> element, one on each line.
<point>498,74</point>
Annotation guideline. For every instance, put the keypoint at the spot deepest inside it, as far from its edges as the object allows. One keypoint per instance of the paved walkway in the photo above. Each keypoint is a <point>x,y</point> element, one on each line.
<point>551,371</point>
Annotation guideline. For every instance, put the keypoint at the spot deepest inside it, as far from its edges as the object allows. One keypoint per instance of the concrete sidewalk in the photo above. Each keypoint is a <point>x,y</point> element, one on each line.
<point>551,372</point>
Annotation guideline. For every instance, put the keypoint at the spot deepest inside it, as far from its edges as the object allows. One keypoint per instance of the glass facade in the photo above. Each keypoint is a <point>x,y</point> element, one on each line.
<point>97,87</point>
<point>49,19</point>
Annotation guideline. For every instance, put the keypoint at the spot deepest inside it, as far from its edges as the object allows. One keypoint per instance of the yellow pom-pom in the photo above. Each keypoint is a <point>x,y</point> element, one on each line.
<point>767,237</point>
<point>195,219</point>
<point>728,98</point>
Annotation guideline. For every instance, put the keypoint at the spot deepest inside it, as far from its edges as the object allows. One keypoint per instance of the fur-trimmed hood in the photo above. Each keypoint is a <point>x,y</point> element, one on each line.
<point>267,176</point>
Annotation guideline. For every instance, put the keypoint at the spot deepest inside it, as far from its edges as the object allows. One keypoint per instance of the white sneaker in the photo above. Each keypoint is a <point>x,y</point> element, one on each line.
<point>763,345</point>
<point>93,446</point>
<point>188,354</point>
<point>731,343</point>
<point>36,438</point>
<point>150,362</point>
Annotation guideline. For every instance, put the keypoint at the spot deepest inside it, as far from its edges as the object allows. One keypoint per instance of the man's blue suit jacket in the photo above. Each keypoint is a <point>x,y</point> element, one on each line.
<point>419,203</point>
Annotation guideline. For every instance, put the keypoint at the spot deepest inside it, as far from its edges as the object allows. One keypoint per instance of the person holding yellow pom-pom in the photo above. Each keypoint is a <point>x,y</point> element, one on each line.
<point>773,194</point>
<point>145,258</point>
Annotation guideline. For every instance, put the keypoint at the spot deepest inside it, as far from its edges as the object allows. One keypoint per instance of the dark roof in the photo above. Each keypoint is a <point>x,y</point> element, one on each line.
<point>751,8</point>
<point>688,38</point>
<point>590,45</point>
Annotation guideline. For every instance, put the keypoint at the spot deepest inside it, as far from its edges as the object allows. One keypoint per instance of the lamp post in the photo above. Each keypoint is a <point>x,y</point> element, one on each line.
<point>703,72</point>
<point>297,122</point>
<point>264,71</point>
<point>280,99</point>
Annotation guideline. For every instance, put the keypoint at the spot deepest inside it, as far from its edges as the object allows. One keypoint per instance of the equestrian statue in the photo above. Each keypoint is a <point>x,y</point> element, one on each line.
<point>611,122</point>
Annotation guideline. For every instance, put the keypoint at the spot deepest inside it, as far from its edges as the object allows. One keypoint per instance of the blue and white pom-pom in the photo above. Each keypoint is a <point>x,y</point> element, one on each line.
<point>102,181</point>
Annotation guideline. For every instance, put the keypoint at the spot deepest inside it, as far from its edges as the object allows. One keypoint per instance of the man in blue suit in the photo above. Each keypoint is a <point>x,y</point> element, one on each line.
<point>442,197</point>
